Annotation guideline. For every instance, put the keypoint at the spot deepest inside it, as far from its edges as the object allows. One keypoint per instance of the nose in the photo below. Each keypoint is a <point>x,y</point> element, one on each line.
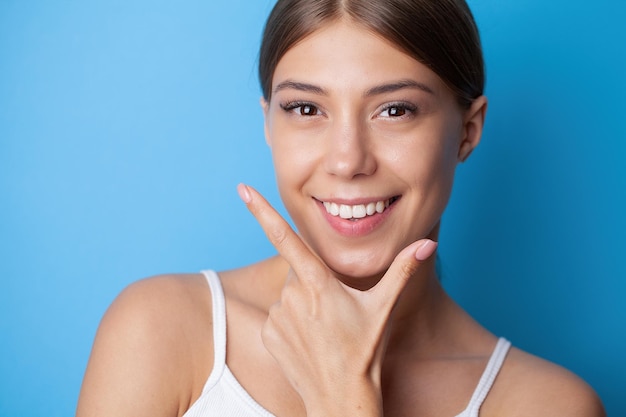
<point>349,151</point>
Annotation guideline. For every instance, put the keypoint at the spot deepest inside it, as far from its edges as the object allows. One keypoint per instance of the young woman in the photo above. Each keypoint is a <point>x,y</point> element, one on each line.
<point>369,106</point>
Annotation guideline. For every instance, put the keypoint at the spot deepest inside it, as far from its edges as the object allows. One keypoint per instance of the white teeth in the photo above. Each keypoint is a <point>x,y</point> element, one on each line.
<point>332,208</point>
<point>345,212</point>
<point>358,211</point>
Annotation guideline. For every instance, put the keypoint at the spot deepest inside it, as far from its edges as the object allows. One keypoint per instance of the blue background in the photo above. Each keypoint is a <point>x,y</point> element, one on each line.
<point>126,125</point>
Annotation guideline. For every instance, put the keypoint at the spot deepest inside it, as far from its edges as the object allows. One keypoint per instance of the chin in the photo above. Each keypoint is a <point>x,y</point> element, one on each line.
<point>362,283</point>
<point>357,272</point>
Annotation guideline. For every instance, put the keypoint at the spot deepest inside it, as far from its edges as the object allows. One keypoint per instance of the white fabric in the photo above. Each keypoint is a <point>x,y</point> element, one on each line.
<point>223,396</point>
<point>487,379</point>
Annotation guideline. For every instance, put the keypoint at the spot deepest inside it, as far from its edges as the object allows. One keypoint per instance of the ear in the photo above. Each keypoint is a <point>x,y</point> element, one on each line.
<point>473,122</point>
<point>265,105</point>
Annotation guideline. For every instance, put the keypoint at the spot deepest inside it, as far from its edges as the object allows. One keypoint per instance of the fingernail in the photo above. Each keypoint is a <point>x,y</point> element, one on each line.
<point>425,250</point>
<point>244,193</point>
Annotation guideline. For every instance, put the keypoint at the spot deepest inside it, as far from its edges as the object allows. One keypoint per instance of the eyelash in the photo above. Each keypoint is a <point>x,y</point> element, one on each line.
<point>403,106</point>
<point>406,107</point>
<point>293,105</point>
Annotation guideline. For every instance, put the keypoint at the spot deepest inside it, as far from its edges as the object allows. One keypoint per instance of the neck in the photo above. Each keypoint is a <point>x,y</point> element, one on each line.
<point>417,317</point>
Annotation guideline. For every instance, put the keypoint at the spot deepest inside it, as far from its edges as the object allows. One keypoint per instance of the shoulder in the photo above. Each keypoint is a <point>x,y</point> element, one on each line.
<point>531,386</point>
<point>153,349</point>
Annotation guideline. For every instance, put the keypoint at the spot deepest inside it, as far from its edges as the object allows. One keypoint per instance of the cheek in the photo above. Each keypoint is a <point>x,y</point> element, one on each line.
<point>446,148</point>
<point>432,161</point>
<point>431,165</point>
<point>444,170</point>
<point>290,162</point>
<point>294,161</point>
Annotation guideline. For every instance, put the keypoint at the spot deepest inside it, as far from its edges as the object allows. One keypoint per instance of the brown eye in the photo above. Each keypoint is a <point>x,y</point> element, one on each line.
<point>299,108</point>
<point>398,110</point>
<point>308,110</point>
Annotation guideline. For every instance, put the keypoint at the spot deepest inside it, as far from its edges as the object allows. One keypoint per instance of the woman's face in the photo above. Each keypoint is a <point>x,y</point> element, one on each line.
<point>365,141</point>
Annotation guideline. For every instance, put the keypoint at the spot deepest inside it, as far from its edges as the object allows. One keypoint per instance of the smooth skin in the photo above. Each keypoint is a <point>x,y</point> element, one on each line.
<point>339,323</point>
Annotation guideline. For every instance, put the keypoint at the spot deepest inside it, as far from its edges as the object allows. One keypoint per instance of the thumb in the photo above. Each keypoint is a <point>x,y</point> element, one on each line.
<point>403,267</point>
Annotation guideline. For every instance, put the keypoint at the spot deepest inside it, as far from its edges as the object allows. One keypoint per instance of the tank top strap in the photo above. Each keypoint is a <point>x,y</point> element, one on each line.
<point>487,379</point>
<point>219,328</point>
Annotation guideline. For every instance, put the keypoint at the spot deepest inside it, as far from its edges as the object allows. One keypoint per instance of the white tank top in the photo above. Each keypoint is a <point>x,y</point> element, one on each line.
<point>223,396</point>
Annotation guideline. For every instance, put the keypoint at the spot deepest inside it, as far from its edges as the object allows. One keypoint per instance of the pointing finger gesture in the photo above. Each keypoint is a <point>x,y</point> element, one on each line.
<point>327,337</point>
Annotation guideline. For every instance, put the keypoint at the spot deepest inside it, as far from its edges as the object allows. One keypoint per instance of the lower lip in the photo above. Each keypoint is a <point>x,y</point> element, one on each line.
<point>355,228</point>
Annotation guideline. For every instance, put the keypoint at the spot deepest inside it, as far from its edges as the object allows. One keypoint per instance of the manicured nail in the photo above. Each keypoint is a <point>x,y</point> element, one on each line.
<point>244,193</point>
<point>425,250</point>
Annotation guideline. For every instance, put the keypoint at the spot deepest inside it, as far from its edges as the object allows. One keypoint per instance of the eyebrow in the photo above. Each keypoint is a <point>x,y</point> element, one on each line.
<point>309,88</point>
<point>398,85</point>
<point>379,89</point>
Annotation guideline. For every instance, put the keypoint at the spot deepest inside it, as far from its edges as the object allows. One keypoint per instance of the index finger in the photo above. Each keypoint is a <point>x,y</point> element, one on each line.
<point>403,268</point>
<point>280,234</point>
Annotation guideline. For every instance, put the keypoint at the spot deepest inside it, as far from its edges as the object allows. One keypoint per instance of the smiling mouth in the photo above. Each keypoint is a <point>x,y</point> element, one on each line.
<point>358,211</point>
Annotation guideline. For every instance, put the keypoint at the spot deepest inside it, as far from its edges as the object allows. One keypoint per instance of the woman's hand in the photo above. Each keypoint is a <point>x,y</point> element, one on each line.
<point>327,337</point>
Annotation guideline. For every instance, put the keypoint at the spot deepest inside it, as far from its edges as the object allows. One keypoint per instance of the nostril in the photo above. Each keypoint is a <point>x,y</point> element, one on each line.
<point>350,163</point>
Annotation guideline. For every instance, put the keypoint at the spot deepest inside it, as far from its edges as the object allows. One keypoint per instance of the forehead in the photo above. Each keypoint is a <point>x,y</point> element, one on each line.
<point>344,55</point>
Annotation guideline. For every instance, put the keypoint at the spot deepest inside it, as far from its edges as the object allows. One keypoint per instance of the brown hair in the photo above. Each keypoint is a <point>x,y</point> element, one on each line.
<point>441,34</point>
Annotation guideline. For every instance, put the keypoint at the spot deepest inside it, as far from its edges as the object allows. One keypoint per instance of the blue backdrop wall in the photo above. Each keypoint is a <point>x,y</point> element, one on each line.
<point>126,125</point>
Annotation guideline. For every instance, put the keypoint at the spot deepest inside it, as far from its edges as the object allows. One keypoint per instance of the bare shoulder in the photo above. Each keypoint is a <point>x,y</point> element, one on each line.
<point>530,386</point>
<point>153,349</point>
